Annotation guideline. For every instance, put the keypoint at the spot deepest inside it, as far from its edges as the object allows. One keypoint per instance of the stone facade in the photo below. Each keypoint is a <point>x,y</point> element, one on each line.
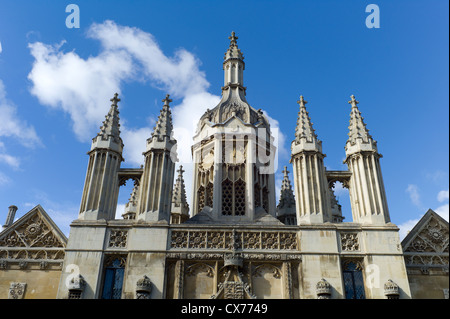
<point>32,252</point>
<point>235,243</point>
<point>426,257</point>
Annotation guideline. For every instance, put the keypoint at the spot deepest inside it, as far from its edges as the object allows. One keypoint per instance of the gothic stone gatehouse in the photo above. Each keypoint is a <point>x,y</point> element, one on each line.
<point>235,242</point>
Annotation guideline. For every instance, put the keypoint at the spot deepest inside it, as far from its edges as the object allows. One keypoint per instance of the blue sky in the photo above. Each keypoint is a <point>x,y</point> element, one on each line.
<point>56,82</point>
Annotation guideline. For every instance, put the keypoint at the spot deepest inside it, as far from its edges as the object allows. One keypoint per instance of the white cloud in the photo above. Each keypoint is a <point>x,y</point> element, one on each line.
<point>179,74</point>
<point>12,161</point>
<point>4,180</point>
<point>413,192</point>
<point>81,87</point>
<point>406,227</point>
<point>443,211</point>
<point>443,195</point>
<point>120,209</point>
<point>279,137</point>
<point>1,50</point>
<point>12,126</point>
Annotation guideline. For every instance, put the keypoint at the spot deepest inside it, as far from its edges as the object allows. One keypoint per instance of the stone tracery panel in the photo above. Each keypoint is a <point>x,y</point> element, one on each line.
<point>218,239</point>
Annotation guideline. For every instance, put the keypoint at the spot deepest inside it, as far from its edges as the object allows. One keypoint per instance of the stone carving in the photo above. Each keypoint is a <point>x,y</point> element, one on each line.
<point>197,239</point>
<point>17,290</point>
<point>118,238</point>
<point>391,290</point>
<point>258,271</point>
<point>192,270</point>
<point>323,289</point>
<point>143,288</point>
<point>349,242</point>
<point>429,260</point>
<point>33,232</point>
<point>432,238</point>
<point>76,287</point>
<point>237,240</point>
<point>32,241</point>
<point>233,290</point>
<point>18,254</point>
<point>23,265</point>
<point>233,285</point>
<point>246,256</point>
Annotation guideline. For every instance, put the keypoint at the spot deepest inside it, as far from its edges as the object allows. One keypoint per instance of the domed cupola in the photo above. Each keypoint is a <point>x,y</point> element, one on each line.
<point>233,102</point>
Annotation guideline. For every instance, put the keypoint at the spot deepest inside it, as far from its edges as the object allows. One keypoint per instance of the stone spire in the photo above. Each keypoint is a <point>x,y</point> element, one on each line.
<point>233,51</point>
<point>131,206</point>
<point>180,206</point>
<point>164,125</point>
<point>234,66</point>
<point>155,192</point>
<point>358,133</point>
<point>109,135</point>
<point>305,136</point>
<point>286,205</point>
<point>311,186</point>
<point>105,157</point>
<point>367,193</point>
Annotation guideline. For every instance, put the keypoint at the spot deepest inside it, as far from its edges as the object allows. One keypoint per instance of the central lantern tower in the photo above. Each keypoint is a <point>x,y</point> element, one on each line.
<point>233,154</point>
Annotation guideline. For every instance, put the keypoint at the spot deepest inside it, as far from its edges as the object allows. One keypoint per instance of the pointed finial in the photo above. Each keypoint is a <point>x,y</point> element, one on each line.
<point>285,171</point>
<point>167,100</point>
<point>353,101</point>
<point>302,101</point>
<point>180,170</point>
<point>233,39</point>
<point>115,99</point>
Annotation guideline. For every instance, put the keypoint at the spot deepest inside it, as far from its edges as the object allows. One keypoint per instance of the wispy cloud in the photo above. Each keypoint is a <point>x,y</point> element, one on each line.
<point>12,125</point>
<point>13,128</point>
<point>443,196</point>
<point>414,195</point>
<point>442,210</point>
<point>406,227</point>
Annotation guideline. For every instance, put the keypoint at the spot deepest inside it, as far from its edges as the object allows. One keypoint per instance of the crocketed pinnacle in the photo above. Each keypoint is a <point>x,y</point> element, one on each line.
<point>233,51</point>
<point>164,125</point>
<point>110,127</point>
<point>304,128</point>
<point>287,199</point>
<point>179,191</point>
<point>357,127</point>
<point>131,206</point>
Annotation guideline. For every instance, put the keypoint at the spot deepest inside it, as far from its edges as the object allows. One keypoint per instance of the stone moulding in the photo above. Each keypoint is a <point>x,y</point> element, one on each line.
<point>231,239</point>
<point>244,256</point>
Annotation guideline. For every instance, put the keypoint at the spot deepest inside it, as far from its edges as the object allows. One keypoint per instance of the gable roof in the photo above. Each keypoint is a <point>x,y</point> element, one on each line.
<point>34,229</point>
<point>429,235</point>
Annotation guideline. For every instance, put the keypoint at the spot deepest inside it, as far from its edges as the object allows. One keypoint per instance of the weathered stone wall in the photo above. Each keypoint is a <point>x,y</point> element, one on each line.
<point>40,284</point>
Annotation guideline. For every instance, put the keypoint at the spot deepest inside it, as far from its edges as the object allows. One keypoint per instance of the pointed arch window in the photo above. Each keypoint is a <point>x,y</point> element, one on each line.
<point>113,277</point>
<point>353,280</point>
